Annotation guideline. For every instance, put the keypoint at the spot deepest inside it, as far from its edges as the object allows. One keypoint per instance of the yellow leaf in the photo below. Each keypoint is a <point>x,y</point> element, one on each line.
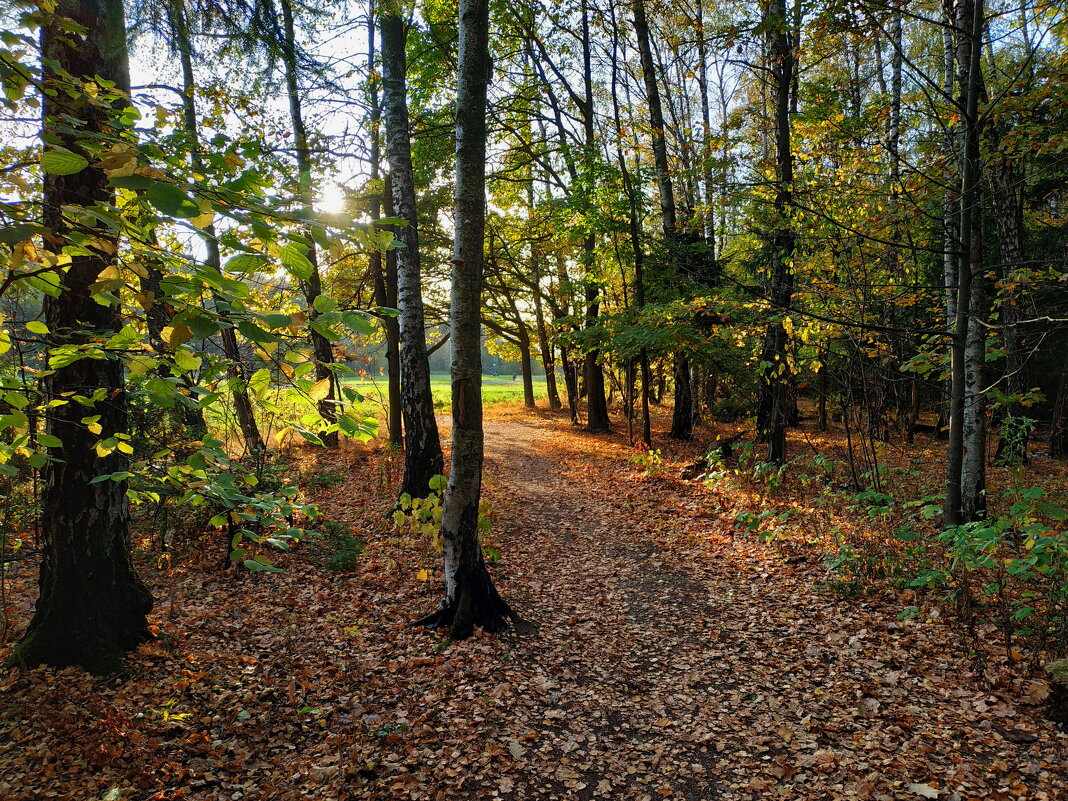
<point>320,389</point>
<point>206,216</point>
<point>176,335</point>
<point>423,575</point>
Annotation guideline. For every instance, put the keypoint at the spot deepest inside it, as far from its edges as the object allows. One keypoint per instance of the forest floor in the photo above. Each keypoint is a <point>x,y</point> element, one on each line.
<point>673,657</point>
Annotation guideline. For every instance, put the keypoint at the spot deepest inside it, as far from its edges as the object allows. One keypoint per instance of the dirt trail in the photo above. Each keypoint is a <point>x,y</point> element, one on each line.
<point>674,660</point>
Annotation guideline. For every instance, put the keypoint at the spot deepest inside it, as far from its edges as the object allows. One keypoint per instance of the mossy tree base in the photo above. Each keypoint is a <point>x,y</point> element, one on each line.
<point>100,652</point>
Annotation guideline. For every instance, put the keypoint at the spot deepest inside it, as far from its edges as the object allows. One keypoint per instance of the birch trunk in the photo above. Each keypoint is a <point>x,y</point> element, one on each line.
<point>423,458</point>
<point>966,454</point>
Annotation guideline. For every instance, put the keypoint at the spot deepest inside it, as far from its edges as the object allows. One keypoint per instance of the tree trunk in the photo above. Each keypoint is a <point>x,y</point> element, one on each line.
<point>322,350</point>
<point>697,384</point>
<point>385,280</point>
<point>523,335</point>
<point>682,415</point>
<point>966,473</point>
<point>385,287</point>
<point>707,178</point>
<point>683,402</point>
<point>824,385</point>
<point>92,605</point>
<point>597,420</point>
<point>470,597</point>
<point>237,378</point>
<point>774,386</point>
<point>634,227</point>
<point>544,343</point>
<point>1008,214</point>
<point>423,458</point>
<point>1058,437</point>
<point>547,359</point>
<point>656,120</point>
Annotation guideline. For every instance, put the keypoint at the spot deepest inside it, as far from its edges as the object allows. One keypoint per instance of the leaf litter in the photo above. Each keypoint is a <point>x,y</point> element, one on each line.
<point>672,656</point>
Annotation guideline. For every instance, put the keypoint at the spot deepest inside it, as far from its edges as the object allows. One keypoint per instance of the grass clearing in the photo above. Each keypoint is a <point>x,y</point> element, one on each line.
<point>495,389</point>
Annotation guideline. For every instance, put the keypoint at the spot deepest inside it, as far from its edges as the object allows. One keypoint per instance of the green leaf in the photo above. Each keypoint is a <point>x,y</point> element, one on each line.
<point>186,361</point>
<point>45,282</point>
<point>324,328</point>
<point>13,234</point>
<point>36,327</point>
<point>324,304</point>
<point>257,567</point>
<point>294,260</point>
<point>255,333</point>
<point>358,322</point>
<point>172,200</point>
<point>60,161</point>
<point>246,263</point>
<point>137,183</point>
<point>49,441</point>
<point>277,320</point>
<point>202,327</point>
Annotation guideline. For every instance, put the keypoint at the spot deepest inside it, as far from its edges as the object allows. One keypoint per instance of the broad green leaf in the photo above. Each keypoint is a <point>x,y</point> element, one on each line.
<point>136,183</point>
<point>202,327</point>
<point>36,327</point>
<point>186,361</point>
<point>294,260</point>
<point>246,263</point>
<point>256,567</point>
<point>358,322</point>
<point>13,234</point>
<point>324,304</point>
<point>60,161</point>
<point>172,200</point>
<point>277,320</point>
<point>255,333</point>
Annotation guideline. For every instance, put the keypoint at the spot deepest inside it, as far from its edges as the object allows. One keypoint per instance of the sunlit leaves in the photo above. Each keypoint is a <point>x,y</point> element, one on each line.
<point>60,161</point>
<point>294,260</point>
<point>172,201</point>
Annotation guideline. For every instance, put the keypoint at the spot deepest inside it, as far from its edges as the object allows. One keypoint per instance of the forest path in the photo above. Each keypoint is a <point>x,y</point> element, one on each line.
<point>676,658</point>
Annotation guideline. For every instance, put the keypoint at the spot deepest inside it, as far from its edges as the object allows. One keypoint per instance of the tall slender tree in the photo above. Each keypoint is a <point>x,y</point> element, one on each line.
<point>966,456</point>
<point>383,267</point>
<point>237,377</point>
<point>322,351</point>
<point>682,414</point>
<point>774,385</point>
<point>470,597</point>
<point>423,458</point>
